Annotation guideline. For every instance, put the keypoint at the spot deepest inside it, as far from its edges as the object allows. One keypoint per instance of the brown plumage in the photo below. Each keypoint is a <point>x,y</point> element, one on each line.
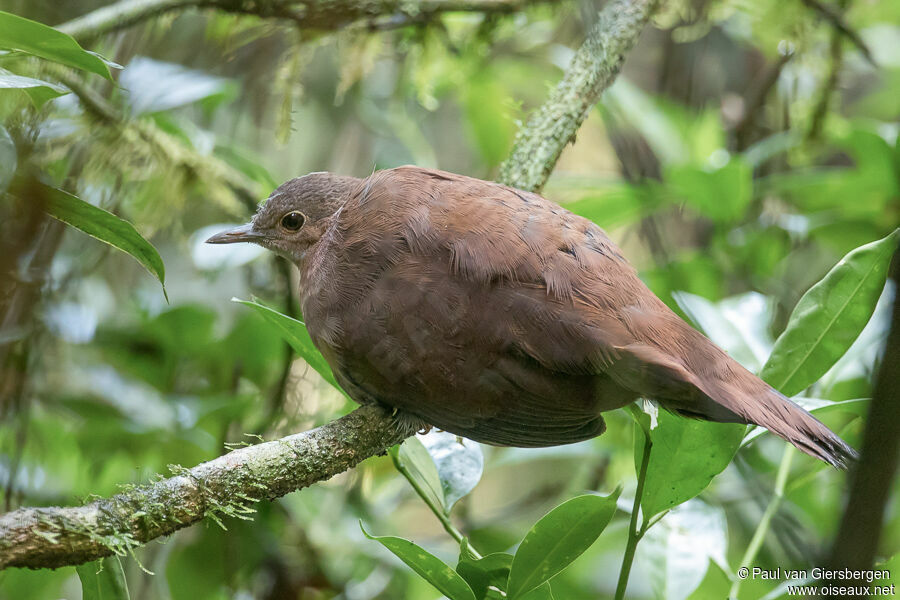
<point>496,314</point>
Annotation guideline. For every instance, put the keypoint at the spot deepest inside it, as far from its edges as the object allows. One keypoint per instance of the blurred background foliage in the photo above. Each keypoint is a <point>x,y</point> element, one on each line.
<point>745,149</point>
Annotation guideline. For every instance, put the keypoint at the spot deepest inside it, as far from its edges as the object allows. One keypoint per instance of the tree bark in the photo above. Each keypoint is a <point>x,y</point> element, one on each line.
<point>321,15</point>
<point>593,69</point>
<point>226,486</point>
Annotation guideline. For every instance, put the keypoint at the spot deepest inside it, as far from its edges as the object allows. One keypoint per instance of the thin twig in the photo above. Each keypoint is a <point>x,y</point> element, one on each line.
<point>763,528</point>
<point>321,15</point>
<point>756,100</point>
<point>836,19</point>
<point>820,112</point>
<point>634,533</point>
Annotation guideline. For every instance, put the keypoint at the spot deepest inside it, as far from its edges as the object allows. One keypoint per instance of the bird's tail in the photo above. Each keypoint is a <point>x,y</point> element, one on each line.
<point>786,419</point>
<point>754,401</point>
<point>722,390</point>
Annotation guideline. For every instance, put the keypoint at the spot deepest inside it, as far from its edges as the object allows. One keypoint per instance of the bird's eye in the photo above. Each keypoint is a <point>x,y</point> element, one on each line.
<point>293,221</point>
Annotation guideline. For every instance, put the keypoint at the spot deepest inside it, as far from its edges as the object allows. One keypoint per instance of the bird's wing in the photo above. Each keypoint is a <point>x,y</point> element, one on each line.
<point>557,284</point>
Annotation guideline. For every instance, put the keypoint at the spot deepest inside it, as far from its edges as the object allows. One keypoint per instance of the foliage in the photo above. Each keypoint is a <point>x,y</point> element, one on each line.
<point>767,227</point>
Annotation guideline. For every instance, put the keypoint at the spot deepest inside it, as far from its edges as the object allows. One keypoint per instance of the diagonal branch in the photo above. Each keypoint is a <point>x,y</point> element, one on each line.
<point>836,19</point>
<point>322,15</point>
<point>550,129</point>
<point>228,485</point>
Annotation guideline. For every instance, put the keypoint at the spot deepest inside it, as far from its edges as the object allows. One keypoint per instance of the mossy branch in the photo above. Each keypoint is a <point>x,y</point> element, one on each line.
<point>228,485</point>
<point>320,15</point>
<point>593,69</point>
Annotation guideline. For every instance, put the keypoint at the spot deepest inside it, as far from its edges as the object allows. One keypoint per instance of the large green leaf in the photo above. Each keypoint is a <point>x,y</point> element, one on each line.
<point>103,580</point>
<point>37,89</point>
<point>480,573</point>
<point>101,225</point>
<point>829,317</point>
<point>560,537</point>
<point>429,567</point>
<point>294,333</point>
<point>492,571</point>
<point>685,456</point>
<point>18,33</point>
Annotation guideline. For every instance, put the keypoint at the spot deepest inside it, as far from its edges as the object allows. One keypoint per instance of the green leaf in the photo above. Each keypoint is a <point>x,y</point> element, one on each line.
<point>413,455</point>
<point>721,194</point>
<point>560,537</point>
<point>615,205</point>
<point>429,567</point>
<point>155,86</point>
<point>681,546</point>
<point>492,570</point>
<point>18,33</point>
<point>829,317</point>
<point>102,225</point>
<point>459,463</point>
<point>685,456</point>
<point>38,90</point>
<point>294,333</point>
<point>103,580</point>
<point>888,585</point>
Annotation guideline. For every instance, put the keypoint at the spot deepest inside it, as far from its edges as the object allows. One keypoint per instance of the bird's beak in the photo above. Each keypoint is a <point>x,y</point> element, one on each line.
<point>244,233</point>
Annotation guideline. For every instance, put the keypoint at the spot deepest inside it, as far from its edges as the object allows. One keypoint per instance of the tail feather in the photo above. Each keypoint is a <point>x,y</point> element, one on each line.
<point>721,390</point>
<point>786,419</point>
<point>758,403</point>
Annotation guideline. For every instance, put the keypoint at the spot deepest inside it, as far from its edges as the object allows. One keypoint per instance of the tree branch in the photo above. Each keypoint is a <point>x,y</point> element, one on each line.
<point>322,15</point>
<point>836,19</point>
<point>228,485</point>
<point>538,145</point>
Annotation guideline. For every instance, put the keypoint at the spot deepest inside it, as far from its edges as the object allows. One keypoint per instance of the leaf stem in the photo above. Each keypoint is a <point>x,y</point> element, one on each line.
<point>455,533</point>
<point>635,534</point>
<point>763,528</point>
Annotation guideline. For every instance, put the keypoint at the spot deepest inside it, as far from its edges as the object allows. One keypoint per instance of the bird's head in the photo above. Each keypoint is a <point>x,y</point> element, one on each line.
<point>294,216</point>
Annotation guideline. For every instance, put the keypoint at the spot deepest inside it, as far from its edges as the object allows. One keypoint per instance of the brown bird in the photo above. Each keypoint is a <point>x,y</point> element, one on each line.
<point>496,314</point>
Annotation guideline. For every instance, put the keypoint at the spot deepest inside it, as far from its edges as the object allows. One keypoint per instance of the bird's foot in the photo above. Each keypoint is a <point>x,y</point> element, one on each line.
<point>409,424</point>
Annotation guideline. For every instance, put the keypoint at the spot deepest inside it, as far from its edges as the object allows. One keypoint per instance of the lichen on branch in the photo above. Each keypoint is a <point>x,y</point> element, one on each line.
<point>320,15</point>
<point>594,67</point>
<point>226,486</point>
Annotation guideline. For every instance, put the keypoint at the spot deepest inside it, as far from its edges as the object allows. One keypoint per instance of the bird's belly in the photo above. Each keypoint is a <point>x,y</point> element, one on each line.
<point>453,372</point>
